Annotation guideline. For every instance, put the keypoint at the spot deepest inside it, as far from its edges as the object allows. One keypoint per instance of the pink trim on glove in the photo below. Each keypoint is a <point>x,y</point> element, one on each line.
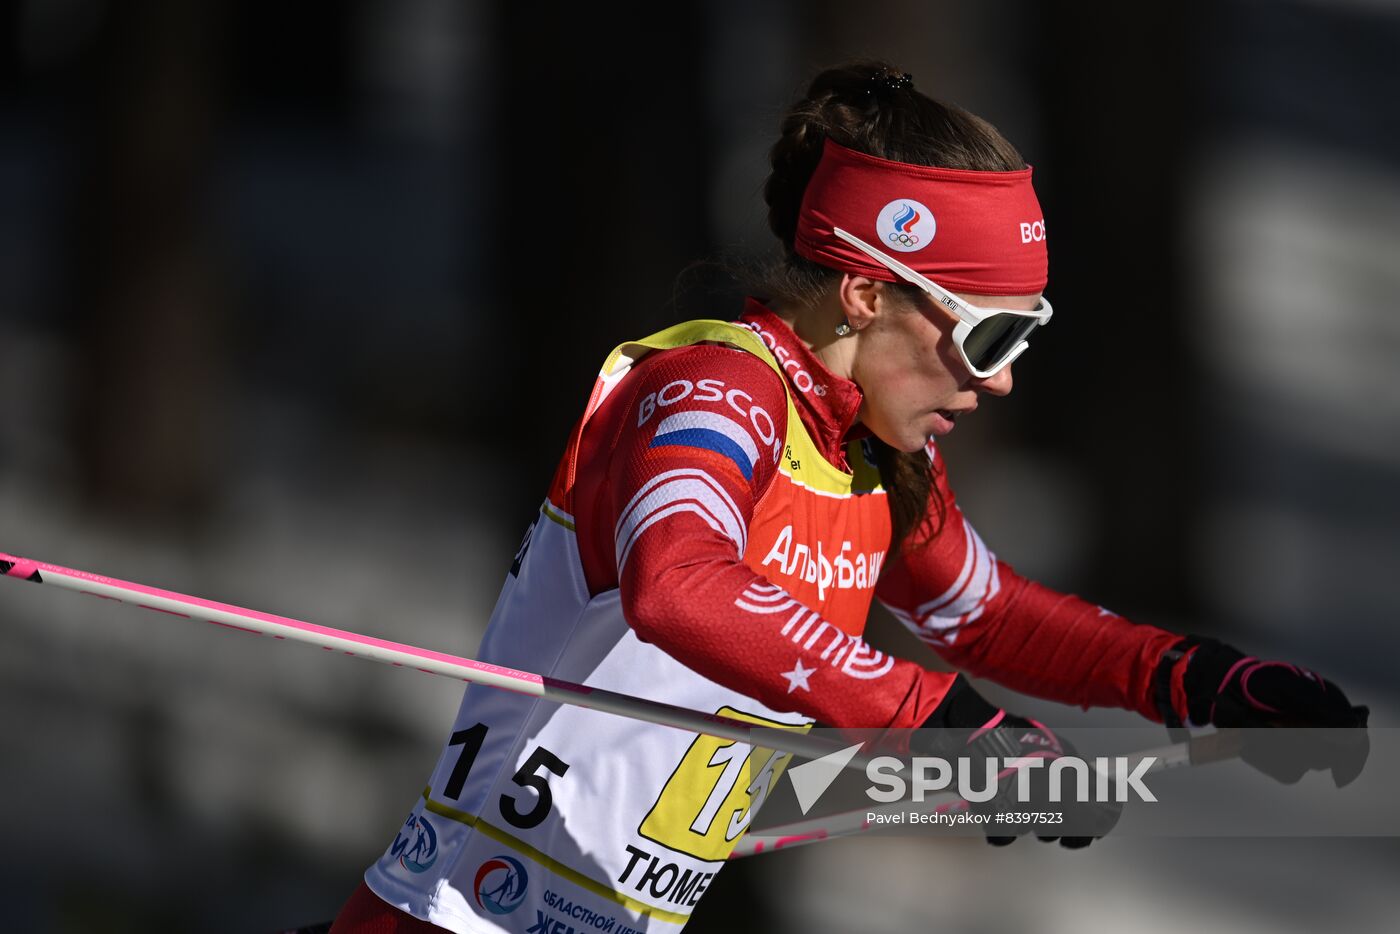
<point>1226,680</point>
<point>1244,683</point>
<point>990,724</point>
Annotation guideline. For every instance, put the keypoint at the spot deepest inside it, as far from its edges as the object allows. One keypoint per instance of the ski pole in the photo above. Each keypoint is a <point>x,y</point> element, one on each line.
<point>404,656</point>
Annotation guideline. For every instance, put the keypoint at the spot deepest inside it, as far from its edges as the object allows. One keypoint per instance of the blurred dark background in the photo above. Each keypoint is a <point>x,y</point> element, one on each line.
<point>301,300</point>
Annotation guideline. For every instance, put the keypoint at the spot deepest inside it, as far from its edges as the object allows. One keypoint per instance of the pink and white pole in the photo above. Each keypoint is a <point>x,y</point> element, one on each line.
<point>401,655</point>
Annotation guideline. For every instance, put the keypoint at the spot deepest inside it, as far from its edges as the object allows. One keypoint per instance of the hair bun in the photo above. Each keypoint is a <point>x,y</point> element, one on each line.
<point>886,84</point>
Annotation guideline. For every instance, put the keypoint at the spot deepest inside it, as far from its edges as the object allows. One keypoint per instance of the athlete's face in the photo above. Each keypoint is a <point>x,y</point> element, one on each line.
<point>914,381</point>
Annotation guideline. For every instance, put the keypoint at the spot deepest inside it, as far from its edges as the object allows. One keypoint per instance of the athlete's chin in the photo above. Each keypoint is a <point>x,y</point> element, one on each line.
<point>909,440</point>
<point>910,434</point>
<point>916,435</point>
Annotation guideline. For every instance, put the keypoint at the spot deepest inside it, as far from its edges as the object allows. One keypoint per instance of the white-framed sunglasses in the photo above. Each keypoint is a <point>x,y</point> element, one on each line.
<point>987,338</point>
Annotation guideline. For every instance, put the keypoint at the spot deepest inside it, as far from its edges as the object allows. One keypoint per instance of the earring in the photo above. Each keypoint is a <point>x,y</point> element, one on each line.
<point>843,329</point>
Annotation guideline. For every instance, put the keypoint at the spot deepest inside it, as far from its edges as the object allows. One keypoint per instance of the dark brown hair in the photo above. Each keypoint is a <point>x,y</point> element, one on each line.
<point>872,107</point>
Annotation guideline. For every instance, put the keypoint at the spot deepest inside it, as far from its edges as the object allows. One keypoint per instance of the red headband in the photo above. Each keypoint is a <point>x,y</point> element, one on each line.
<point>979,232</point>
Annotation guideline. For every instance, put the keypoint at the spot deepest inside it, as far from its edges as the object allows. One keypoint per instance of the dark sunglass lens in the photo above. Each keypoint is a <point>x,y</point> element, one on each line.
<point>990,342</point>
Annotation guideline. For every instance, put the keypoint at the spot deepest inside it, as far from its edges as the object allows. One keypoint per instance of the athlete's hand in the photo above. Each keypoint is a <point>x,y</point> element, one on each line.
<point>1227,688</point>
<point>1086,820</point>
<point>969,725</point>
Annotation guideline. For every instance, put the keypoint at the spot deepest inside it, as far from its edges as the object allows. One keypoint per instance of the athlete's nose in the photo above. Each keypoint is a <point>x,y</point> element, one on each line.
<point>998,384</point>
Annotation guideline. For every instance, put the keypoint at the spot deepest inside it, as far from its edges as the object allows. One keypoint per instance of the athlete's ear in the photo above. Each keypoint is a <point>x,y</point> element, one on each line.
<point>861,299</point>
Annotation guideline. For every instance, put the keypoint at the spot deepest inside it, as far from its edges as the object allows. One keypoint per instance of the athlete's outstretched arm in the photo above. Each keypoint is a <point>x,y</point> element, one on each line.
<point>691,440</point>
<point>985,619</point>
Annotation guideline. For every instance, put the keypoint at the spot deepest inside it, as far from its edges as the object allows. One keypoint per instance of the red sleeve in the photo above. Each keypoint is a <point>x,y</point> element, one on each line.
<point>987,620</point>
<point>689,452</point>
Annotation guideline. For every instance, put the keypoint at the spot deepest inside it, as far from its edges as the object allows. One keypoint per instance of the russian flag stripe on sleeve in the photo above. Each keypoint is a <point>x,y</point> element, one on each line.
<point>712,432</point>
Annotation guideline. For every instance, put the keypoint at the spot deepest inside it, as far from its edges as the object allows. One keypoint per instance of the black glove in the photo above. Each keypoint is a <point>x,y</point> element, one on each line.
<point>969,725</point>
<point>1227,688</point>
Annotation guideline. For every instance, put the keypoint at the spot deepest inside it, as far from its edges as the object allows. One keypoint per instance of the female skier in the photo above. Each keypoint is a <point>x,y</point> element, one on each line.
<point>730,501</point>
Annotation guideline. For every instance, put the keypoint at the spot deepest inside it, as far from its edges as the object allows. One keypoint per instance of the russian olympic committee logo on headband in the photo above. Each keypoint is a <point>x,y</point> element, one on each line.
<point>905,225</point>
